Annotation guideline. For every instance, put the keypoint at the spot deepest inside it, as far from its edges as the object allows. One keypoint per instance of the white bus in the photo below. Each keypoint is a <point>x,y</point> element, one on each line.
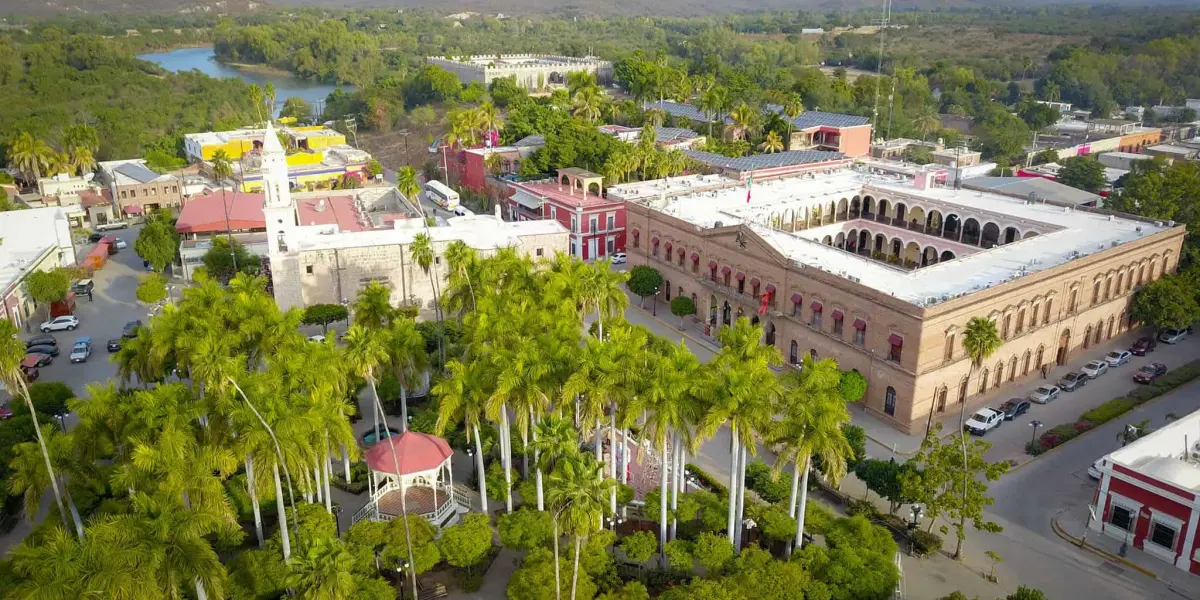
<point>441,195</point>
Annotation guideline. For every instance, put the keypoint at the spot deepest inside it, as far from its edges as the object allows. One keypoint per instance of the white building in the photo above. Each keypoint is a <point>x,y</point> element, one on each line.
<point>326,262</point>
<point>37,239</point>
<point>531,71</point>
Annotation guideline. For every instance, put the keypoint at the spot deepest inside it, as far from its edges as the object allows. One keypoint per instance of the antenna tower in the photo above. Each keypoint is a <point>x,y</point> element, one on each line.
<point>882,23</point>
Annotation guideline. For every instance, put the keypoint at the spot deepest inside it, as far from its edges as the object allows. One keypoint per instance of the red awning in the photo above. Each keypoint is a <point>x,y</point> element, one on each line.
<point>816,306</point>
<point>712,264</point>
<point>668,247</point>
<point>654,240</point>
<point>860,324</point>
<point>770,289</point>
<point>741,276</point>
<point>797,299</point>
<point>754,282</point>
<point>895,340</point>
<point>133,210</point>
<point>726,270</point>
<point>682,251</point>
<point>637,233</point>
<point>696,259</point>
<point>837,315</point>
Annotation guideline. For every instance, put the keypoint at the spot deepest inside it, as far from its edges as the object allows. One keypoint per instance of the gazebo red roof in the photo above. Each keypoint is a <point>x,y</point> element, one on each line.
<point>415,452</point>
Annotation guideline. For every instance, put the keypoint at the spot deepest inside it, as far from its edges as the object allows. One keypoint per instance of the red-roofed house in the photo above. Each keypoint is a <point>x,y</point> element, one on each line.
<point>98,205</point>
<point>214,212</point>
<point>576,200</point>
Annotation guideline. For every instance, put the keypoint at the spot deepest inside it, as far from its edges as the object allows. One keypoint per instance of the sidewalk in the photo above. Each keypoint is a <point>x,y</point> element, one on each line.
<point>1160,579</point>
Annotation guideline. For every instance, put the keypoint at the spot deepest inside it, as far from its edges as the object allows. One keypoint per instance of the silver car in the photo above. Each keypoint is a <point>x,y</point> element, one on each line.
<point>1044,394</point>
<point>1117,358</point>
<point>1095,368</point>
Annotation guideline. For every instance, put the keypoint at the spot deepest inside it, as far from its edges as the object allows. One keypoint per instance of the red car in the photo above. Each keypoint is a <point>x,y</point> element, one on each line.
<point>1150,372</point>
<point>1143,346</point>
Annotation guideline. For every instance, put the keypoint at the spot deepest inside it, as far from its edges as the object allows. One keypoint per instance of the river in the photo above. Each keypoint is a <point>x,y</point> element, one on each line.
<point>203,60</point>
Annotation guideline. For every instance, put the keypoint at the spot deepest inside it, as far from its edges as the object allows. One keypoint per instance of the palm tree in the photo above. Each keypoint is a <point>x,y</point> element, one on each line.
<point>488,118</point>
<point>655,116</point>
<point>745,120</point>
<point>601,291</point>
<point>926,120</point>
<point>554,440</point>
<point>793,105</point>
<point>522,375</point>
<point>578,80</point>
<point>82,160</point>
<point>576,497</point>
<point>587,104</point>
<point>373,306</point>
<point>461,260</point>
<point>409,360</point>
<point>743,390</point>
<point>256,100</point>
<point>771,144</point>
<point>12,352</point>
<point>460,396</point>
<point>423,253</point>
<point>407,182</point>
<point>30,156</point>
<point>814,412</point>
<point>366,351</point>
<point>1026,65</point>
<point>980,340</point>
<point>29,478</point>
<point>222,170</point>
<point>1051,92</point>
<point>324,572</point>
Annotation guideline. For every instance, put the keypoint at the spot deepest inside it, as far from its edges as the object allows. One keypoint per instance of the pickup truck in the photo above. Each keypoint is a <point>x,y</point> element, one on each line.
<point>984,420</point>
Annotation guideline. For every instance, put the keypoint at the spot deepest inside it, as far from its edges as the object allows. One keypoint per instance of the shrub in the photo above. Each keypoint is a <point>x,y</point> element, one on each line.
<point>679,555</point>
<point>925,542</point>
<point>865,508</point>
<point>1108,411</point>
<point>707,480</point>
<point>762,481</point>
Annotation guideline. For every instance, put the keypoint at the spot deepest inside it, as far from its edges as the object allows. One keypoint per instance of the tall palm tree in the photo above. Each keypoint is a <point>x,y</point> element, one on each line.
<point>745,120</point>
<point>488,118</point>
<point>324,572</point>
<point>29,478</point>
<point>1051,92</point>
<point>655,116</point>
<point>601,292</point>
<point>587,104</point>
<point>743,390</point>
<point>409,360</point>
<point>12,352</point>
<point>222,170</point>
<point>461,260</point>
<point>521,387</point>
<point>554,441</point>
<point>460,396</point>
<point>82,568</point>
<point>366,352</point>
<point>771,143</point>
<point>407,182</point>
<point>373,306</point>
<point>793,105</point>
<point>256,100</point>
<point>981,341</point>
<point>82,161</point>
<point>814,412</point>
<point>423,253</point>
<point>30,156</point>
<point>926,120</point>
<point>576,497</point>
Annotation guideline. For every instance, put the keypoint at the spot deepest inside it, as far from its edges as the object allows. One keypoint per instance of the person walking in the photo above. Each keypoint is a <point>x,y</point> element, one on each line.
<point>1045,369</point>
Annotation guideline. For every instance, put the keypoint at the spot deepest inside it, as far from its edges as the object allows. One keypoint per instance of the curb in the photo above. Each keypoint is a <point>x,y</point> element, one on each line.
<point>1074,541</point>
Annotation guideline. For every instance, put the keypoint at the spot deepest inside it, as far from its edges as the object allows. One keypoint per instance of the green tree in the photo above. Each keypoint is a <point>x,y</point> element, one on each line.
<point>525,529</point>
<point>48,286</point>
<point>297,108</point>
<point>884,477</point>
<point>921,155</point>
<point>576,498</point>
<point>682,307</point>
<point>152,288</point>
<point>1026,593</point>
<point>639,546</point>
<point>324,314</point>
<point>679,555</point>
<point>224,261</point>
<point>29,156</point>
<point>1167,302</point>
<point>157,242</point>
<point>713,551</point>
<point>852,385</point>
<point>1082,173</point>
<point>644,281</point>
<point>467,543</point>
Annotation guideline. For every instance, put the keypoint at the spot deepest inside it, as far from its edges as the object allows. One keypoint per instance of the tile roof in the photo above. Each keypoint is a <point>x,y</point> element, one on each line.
<point>531,140</point>
<point>206,213</point>
<point>679,109</point>
<point>764,161</point>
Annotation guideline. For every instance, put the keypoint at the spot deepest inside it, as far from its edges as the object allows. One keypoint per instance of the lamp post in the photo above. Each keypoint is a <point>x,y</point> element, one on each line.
<point>654,310</point>
<point>747,525</point>
<point>915,514</point>
<point>1034,424</point>
<point>400,566</point>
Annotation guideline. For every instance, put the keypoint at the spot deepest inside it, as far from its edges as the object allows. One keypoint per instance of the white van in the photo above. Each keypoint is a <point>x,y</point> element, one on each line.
<point>462,211</point>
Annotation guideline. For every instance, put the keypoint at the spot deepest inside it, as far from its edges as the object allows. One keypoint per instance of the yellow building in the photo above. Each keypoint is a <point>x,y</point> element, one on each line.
<point>201,147</point>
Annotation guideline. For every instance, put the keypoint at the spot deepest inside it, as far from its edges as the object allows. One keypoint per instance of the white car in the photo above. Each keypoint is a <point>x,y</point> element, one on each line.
<point>618,258</point>
<point>121,244</point>
<point>1095,368</point>
<point>1117,358</point>
<point>1094,470</point>
<point>316,339</point>
<point>984,420</point>
<point>111,225</point>
<point>1172,336</point>
<point>68,322</point>
<point>1044,394</point>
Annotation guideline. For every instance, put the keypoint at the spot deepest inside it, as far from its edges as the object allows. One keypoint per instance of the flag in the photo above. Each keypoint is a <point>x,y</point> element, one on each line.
<point>749,183</point>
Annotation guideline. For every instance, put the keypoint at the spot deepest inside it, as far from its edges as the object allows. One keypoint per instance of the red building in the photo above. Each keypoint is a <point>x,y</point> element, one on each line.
<point>470,166</point>
<point>1149,494</point>
<point>575,199</point>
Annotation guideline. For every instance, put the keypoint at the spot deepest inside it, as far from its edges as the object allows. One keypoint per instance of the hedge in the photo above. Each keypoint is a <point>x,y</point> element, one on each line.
<point>1061,434</point>
<point>763,482</point>
<point>925,542</point>
<point>708,480</point>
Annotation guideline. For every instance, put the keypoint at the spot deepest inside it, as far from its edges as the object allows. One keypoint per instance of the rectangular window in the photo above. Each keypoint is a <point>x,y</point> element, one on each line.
<point>539,252</point>
<point>860,337</point>
<point>796,309</point>
<point>592,228</point>
<point>612,221</point>
<point>308,269</point>
<point>837,327</point>
<point>741,286</point>
<point>1163,535</point>
<point>894,352</point>
<point>133,193</point>
<point>574,224</point>
<point>124,195</point>
<point>815,321</point>
<point>1046,317</point>
<point>1033,322</point>
<point>554,213</point>
<point>1121,517</point>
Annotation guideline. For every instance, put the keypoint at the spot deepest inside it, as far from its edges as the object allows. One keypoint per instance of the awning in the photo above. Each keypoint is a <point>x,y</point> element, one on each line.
<point>754,282</point>
<point>895,340</point>
<point>133,209</point>
<point>668,247</point>
<point>837,315</point>
<point>712,264</point>
<point>770,289</point>
<point>797,299</point>
<point>726,270</point>
<point>696,258</point>
<point>528,200</point>
<point>816,306</point>
<point>741,276</point>
<point>682,251</point>
<point>860,324</point>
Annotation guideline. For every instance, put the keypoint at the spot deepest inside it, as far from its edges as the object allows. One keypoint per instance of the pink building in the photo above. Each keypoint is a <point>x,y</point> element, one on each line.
<point>575,199</point>
<point>1149,494</point>
<point>470,166</point>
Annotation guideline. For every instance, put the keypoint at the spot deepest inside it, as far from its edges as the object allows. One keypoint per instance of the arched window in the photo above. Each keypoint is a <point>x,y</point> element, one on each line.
<point>983,380</point>
<point>889,401</point>
<point>794,353</point>
<point>1020,321</point>
<point>1004,330</point>
<point>1096,292</point>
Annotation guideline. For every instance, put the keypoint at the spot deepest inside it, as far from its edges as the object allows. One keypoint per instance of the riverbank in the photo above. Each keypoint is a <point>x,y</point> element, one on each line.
<point>259,68</point>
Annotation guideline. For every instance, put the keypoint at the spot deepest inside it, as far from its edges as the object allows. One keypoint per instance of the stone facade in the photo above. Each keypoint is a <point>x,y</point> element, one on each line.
<point>912,356</point>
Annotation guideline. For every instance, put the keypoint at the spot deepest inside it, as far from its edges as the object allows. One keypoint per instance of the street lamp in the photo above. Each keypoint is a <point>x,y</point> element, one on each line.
<point>915,514</point>
<point>747,525</point>
<point>654,310</point>
<point>1034,424</point>
<point>400,566</point>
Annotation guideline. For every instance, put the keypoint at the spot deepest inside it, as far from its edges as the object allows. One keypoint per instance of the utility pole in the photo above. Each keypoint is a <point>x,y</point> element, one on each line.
<point>883,25</point>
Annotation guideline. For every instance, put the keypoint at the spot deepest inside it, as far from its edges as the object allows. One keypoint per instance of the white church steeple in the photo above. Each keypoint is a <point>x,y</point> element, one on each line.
<point>275,171</point>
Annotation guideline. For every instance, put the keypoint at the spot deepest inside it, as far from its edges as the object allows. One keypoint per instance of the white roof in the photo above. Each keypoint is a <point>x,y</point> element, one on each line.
<point>1166,454</point>
<point>27,234</point>
<point>1171,149</point>
<point>481,232</point>
<point>1127,155</point>
<point>1063,234</point>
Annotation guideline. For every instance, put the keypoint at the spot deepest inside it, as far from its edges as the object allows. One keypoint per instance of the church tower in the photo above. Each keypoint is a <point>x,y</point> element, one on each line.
<point>280,216</point>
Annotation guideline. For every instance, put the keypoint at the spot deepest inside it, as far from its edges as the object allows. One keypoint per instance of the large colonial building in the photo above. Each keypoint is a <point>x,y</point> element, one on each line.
<point>883,273</point>
<point>324,250</point>
<point>531,71</point>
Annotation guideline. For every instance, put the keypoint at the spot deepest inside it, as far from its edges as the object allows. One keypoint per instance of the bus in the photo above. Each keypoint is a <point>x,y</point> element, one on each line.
<point>441,195</point>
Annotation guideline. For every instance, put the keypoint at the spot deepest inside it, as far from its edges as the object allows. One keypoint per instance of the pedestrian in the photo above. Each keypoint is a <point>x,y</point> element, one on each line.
<point>1044,370</point>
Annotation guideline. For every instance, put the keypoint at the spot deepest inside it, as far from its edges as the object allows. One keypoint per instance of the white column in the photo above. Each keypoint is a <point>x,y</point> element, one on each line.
<point>434,486</point>
<point>1184,560</point>
<point>450,470</point>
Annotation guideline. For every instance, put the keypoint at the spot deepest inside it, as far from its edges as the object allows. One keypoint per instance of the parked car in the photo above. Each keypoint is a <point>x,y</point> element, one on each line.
<point>81,350</point>
<point>68,322</point>
<point>83,287</point>
<point>95,237</point>
<point>1095,368</point>
<point>31,373</point>
<point>111,225</point>
<point>1072,381</point>
<point>36,360</point>
<point>316,339</point>
<point>1094,470</point>
<point>42,349</point>
<point>1044,394</point>
<point>114,345</point>
<point>1014,408</point>
<point>130,329</point>
<point>1143,346</point>
<point>44,339</point>
<point>1117,358</point>
<point>619,258</point>
<point>1150,372</point>
<point>121,245</point>
<point>984,420</point>
<point>1171,335</point>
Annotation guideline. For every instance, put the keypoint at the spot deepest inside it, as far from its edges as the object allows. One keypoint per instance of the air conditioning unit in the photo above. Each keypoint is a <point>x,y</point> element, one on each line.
<point>1195,455</point>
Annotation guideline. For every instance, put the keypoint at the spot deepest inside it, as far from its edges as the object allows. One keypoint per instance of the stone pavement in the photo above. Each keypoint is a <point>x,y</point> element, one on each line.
<point>495,581</point>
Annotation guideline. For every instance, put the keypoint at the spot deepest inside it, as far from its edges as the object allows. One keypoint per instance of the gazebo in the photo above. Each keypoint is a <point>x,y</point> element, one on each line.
<point>419,474</point>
